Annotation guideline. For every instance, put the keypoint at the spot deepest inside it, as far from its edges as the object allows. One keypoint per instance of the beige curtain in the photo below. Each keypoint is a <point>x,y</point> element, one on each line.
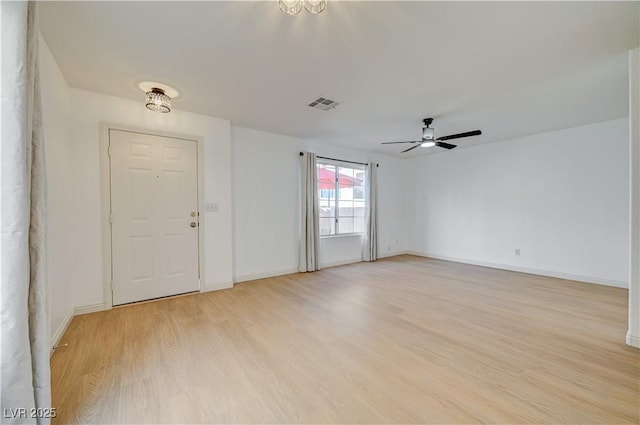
<point>370,245</point>
<point>25,348</point>
<point>309,223</point>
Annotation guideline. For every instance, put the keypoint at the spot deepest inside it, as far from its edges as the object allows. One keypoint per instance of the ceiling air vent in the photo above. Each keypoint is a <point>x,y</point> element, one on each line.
<point>323,103</point>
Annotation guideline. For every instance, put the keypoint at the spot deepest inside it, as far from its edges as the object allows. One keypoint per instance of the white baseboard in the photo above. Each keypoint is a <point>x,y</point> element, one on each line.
<point>633,340</point>
<point>340,263</point>
<point>216,286</point>
<point>541,272</point>
<point>282,272</point>
<point>264,275</point>
<point>391,254</point>
<point>62,328</point>
<point>86,309</point>
<point>75,311</point>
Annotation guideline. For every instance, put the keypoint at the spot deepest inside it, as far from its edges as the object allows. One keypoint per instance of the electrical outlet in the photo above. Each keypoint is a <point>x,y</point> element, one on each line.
<point>388,247</point>
<point>518,252</point>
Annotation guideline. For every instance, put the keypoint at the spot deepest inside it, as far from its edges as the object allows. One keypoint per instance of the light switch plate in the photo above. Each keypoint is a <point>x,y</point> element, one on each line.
<point>211,207</point>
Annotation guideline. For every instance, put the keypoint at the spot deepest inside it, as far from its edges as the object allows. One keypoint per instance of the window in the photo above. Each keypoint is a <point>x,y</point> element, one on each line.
<point>341,198</point>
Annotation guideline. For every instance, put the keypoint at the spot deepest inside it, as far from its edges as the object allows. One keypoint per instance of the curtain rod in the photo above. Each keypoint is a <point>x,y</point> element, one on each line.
<point>341,160</point>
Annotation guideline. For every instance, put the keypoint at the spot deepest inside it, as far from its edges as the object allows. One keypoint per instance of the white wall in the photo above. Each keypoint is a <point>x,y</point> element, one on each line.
<point>266,205</point>
<point>562,198</point>
<point>264,180</point>
<point>89,110</point>
<point>60,212</point>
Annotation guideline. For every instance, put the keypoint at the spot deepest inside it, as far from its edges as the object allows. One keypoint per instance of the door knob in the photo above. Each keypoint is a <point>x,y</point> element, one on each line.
<point>193,224</point>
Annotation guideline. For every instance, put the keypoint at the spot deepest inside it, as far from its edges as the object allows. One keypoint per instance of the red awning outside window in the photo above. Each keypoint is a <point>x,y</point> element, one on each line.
<point>327,179</point>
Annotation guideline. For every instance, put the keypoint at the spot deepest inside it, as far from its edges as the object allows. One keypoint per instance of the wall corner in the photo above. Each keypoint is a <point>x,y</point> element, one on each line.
<point>633,334</point>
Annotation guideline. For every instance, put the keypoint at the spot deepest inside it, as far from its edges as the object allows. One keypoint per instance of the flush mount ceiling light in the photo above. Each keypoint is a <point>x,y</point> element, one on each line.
<point>158,96</point>
<point>293,7</point>
<point>157,101</point>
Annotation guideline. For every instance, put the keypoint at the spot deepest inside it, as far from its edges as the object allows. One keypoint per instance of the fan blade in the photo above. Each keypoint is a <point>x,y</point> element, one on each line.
<point>461,135</point>
<point>393,143</point>
<point>412,147</point>
<point>445,145</point>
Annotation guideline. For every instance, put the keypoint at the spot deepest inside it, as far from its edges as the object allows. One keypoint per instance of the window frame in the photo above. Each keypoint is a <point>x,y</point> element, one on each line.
<point>336,190</point>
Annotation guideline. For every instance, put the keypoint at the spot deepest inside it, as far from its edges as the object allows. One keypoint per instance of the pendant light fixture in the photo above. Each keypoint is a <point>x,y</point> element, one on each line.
<point>293,7</point>
<point>158,101</point>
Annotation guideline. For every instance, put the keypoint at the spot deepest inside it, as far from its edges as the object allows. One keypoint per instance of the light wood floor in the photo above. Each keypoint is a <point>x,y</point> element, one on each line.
<point>405,339</point>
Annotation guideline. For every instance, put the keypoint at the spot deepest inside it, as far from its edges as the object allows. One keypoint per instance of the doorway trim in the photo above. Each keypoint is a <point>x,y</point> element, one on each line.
<point>105,195</point>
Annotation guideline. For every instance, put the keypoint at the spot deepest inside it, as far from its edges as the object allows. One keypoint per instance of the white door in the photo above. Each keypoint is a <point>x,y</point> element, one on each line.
<point>154,216</point>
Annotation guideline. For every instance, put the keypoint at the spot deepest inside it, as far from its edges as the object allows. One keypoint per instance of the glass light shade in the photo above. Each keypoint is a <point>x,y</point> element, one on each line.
<point>290,7</point>
<point>157,101</point>
<point>428,144</point>
<point>315,6</point>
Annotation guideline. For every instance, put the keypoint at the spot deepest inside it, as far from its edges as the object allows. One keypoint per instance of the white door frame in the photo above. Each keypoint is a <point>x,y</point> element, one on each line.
<point>105,193</point>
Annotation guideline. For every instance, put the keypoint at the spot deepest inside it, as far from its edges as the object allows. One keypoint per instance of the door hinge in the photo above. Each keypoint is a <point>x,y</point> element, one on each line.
<point>109,151</point>
<point>110,219</point>
<point>112,286</point>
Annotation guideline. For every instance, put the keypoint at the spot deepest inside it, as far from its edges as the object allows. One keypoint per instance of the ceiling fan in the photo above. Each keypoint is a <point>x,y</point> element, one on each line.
<point>428,140</point>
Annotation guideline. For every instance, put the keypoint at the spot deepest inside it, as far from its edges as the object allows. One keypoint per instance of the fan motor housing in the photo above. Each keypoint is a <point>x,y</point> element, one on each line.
<point>427,133</point>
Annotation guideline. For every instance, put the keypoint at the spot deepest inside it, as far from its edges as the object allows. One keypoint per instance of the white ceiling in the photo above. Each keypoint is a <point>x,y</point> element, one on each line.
<point>508,68</point>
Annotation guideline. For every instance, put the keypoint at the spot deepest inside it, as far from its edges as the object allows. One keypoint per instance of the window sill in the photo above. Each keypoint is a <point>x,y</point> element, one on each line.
<point>342,235</point>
